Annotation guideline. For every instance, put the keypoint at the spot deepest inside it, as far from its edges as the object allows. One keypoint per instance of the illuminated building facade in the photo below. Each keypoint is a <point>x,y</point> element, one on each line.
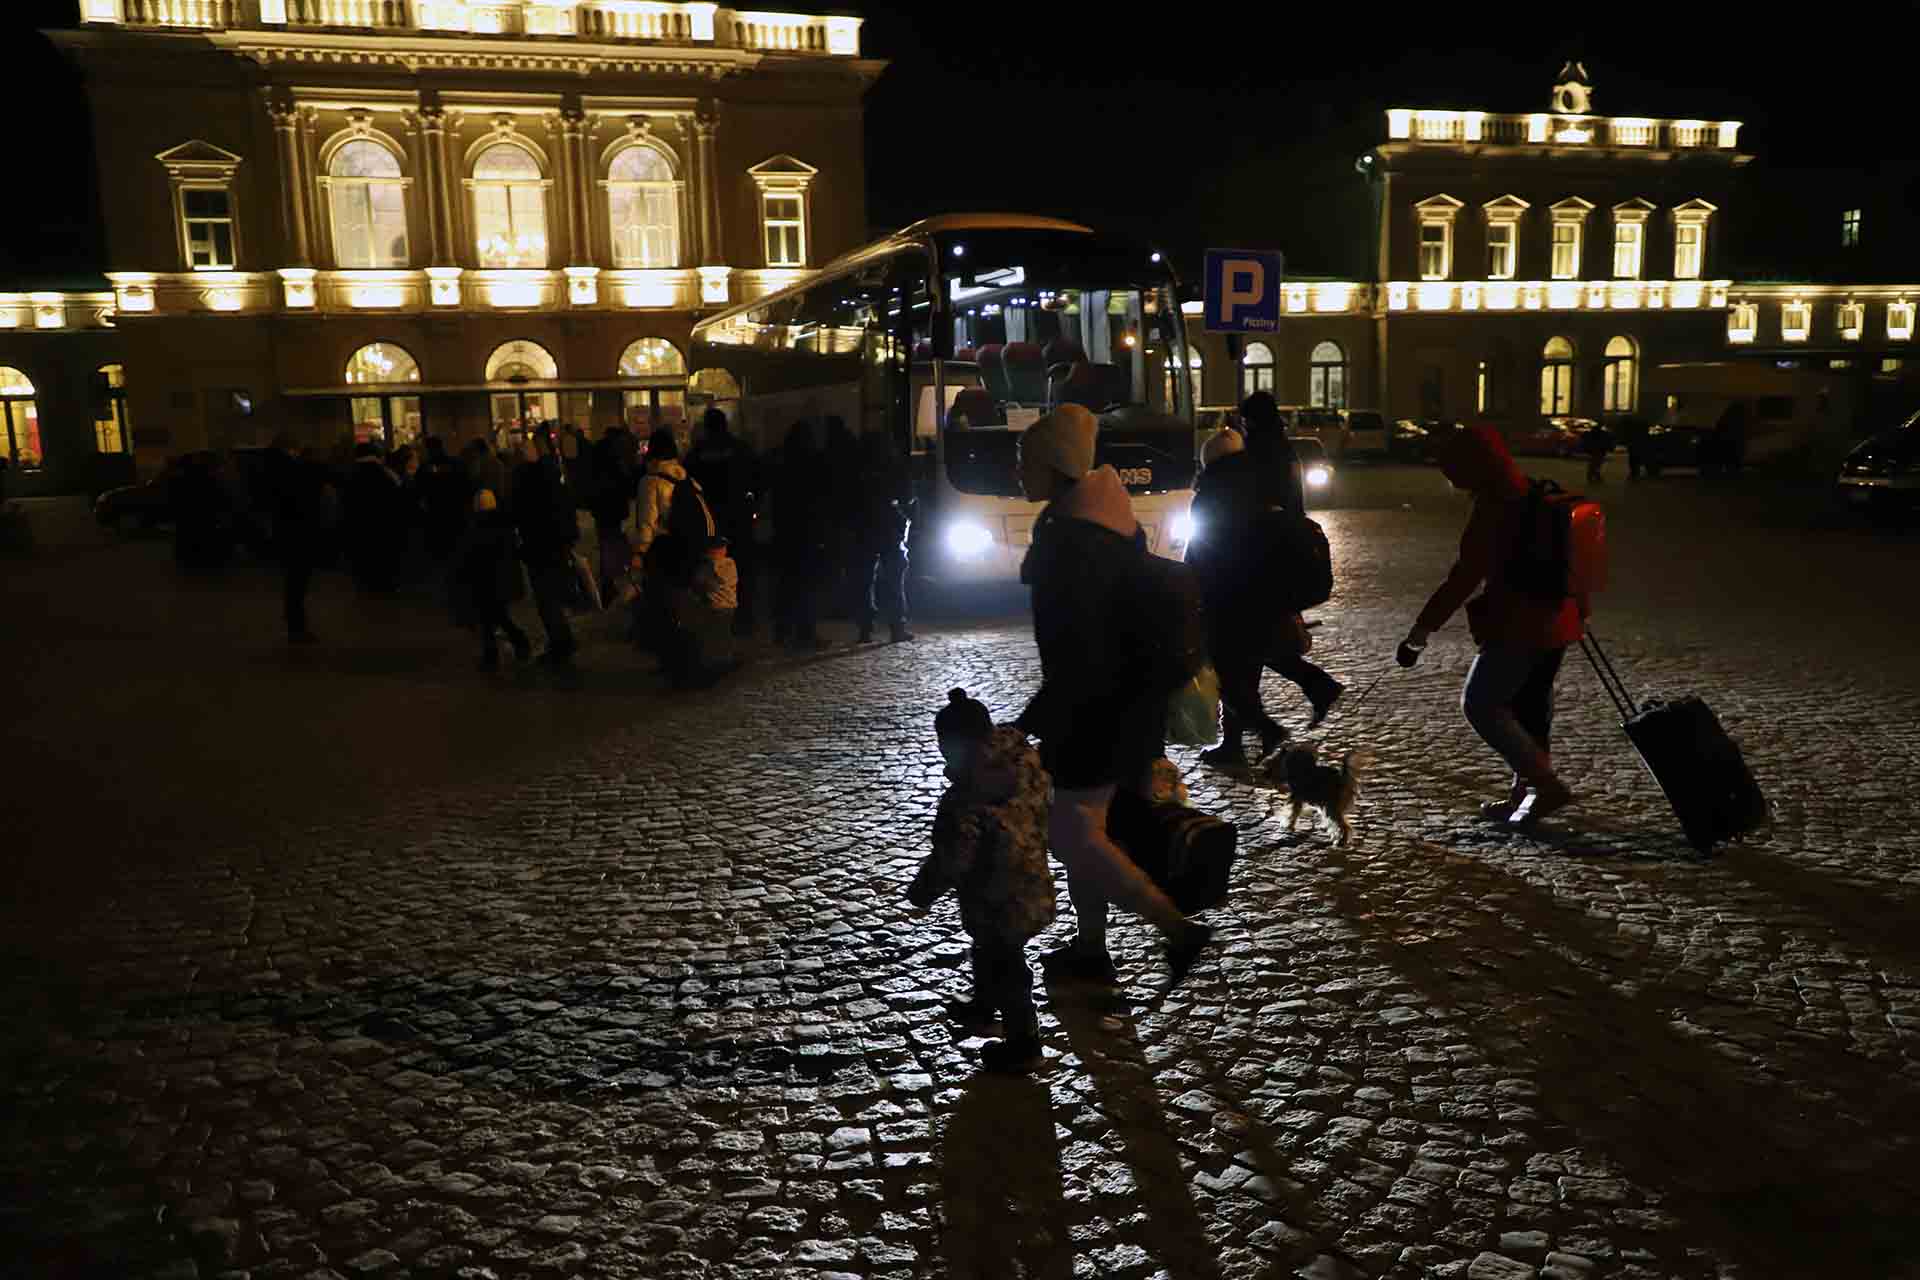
<point>397,218</point>
<point>1536,265</point>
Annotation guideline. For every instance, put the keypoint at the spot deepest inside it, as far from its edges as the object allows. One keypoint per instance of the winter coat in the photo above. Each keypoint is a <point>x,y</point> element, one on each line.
<point>543,511</point>
<point>990,845</point>
<point>655,505</point>
<point>1477,461</point>
<point>725,470</point>
<point>1278,468</point>
<point>1090,712</point>
<point>296,500</point>
<point>802,503</point>
<point>486,570</point>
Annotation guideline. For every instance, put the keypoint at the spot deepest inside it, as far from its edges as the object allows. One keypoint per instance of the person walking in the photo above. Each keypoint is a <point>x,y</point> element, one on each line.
<point>1634,430</point>
<point>1522,638</point>
<point>543,511</point>
<point>799,539</point>
<point>843,510</point>
<point>445,500</point>
<point>880,566</point>
<point>298,501</point>
<point>1100,721</point>
<point>614,480</point>
<point>1243,623</point>
<point>1596,442</point>
<point>373,502</point>
<point>729,475</point>
<point>1277,488</point>
<point>487,579</point>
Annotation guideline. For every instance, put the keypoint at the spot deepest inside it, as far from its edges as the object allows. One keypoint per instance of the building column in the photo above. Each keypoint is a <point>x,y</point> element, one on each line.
<point>452,212</point>
<point>706,123</point>
<point>293,183</point>
<point>433,129</point>
<point>573,150</point>
<point>307,146</point>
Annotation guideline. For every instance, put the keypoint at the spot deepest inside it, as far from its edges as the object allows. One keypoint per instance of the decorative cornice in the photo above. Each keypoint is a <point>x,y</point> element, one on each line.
<point>426,53</point>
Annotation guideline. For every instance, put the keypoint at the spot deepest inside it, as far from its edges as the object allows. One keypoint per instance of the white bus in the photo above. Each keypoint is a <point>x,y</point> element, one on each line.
<point>954,335</point>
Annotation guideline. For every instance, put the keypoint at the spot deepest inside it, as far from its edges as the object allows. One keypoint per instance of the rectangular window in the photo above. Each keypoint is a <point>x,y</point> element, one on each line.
<point>785,217</point>
<point>1849,228</point>
<point>1500,250</point>
<point>1566,251</point>
<point>208,215</point>
<point>1627,239</point>
<point>1900,321</point>
<point>1433,250</point>
<point>1795,319</point>
<point>1851,320</point>
<point>1556,388</point>
<point>1686,250</point>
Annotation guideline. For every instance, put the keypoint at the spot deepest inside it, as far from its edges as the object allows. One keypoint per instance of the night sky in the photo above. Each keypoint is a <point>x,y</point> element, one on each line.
<point>1215,124</point>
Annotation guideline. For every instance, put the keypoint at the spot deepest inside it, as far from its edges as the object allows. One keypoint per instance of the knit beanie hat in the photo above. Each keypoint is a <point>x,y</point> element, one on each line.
<point>1222,444</point>
<point>1063,441</point>
<point>962,718</point>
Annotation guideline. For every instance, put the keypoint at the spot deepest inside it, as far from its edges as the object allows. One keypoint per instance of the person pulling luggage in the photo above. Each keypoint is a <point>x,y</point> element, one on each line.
<point>1522,636</point>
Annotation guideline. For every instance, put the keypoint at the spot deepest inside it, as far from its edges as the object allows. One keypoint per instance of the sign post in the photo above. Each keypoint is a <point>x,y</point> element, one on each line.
<point>1242,290</point>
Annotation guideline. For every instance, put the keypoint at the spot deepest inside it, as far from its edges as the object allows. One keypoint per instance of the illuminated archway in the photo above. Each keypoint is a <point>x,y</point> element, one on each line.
<point>19,420</point>
<point>1620,376</point>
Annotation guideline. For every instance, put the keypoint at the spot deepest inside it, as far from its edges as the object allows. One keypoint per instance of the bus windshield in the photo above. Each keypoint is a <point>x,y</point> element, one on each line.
<point>1045,318</point>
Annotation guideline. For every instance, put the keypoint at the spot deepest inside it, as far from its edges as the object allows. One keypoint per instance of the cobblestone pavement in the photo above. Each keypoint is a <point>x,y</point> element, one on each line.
<point>351,963</point>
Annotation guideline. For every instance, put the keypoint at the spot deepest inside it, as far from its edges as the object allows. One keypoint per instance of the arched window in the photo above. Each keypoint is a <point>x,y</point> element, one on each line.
<point>1327,377</point>
<point>509,207</point>
<point>1256,369</point>
<point>386,420</point>
<point>643,206</point>
<point>19,420</point>
<point>368,200</point>
<point>112,429</point>
<point>662,403</point>
<point>515,412</point>
<point>1620,384</point>
<point>1556,378</point>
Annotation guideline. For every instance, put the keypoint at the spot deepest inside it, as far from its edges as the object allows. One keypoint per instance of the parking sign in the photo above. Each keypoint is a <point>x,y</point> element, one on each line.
<point>1243,290</point>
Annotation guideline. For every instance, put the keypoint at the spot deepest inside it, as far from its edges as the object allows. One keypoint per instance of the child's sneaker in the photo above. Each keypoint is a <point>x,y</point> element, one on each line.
<point>1016,1055</point>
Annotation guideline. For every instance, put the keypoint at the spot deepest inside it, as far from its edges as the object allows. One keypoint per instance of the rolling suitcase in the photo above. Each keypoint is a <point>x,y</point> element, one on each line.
<point>1697,765</point>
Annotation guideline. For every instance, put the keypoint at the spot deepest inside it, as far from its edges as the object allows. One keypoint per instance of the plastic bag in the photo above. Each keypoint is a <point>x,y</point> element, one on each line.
<point>1193,711</point>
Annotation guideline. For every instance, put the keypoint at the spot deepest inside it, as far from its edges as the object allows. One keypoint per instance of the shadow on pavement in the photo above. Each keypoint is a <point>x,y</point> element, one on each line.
<point>1003,1200</point>
<point>1753,1164</point>
<point>1103,1040</point>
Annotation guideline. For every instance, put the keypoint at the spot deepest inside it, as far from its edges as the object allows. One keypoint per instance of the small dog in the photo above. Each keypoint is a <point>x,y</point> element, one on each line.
<point>1330,788</point>
<point>1164,783</point>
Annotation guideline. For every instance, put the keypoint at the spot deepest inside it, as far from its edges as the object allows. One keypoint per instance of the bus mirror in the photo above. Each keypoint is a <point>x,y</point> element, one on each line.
<point>943,337</point>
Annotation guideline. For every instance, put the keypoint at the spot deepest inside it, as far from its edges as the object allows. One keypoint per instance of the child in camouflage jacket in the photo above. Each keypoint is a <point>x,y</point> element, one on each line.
<point>990,844</point>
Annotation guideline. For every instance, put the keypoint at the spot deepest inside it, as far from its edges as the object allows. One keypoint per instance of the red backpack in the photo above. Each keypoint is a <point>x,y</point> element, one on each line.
<point>1560,544</point>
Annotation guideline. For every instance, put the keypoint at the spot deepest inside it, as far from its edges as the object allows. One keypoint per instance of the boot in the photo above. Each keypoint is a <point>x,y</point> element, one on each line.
<point>1016,1055</point>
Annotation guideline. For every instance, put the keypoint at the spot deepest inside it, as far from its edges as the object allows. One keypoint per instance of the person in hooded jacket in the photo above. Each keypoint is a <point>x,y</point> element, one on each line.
<point>728,473</point>
<point>1241,619</point>
<point>653,512</point>
<point>1099,720</point>
<point>1522,638</point>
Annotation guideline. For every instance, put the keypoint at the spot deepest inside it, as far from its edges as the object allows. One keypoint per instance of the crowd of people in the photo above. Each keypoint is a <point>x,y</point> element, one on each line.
<point>1100,714</point>
<point>689,547</point>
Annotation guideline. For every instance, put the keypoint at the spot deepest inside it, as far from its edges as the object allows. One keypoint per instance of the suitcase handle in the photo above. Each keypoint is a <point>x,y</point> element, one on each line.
<point>1609,678</point>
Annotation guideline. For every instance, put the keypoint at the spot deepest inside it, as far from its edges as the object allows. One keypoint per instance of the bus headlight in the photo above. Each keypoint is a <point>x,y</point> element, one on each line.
<point>968,540</point>
<point>1183,527</point>
<point>1318,477</point>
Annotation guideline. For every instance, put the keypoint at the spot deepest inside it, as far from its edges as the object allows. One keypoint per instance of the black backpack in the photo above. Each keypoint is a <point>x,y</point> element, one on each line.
<point>1170,617</point>
<point>689,519</point>
<point>1298,560</point>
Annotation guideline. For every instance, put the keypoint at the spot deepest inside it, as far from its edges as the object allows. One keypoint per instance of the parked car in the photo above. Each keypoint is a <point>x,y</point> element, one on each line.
<point>1554,438</point>
<point>1883,471</point>
<point>1414,439</point>
<point>1316,470</point>
<point>1672,447</point>
<point>149,504</point>
<point>1365,435</point>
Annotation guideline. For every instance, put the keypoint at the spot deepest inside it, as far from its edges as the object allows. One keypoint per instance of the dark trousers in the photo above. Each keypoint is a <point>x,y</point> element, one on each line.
<point>1241,707</point>
<point>553,586</point>
<point>298,576</point>
<point>1001,979</point>
<point>495,617</point>
<point>795,603</point>
<point>882,582</point>
<point>1508,700</point>
<point>1312,679</point>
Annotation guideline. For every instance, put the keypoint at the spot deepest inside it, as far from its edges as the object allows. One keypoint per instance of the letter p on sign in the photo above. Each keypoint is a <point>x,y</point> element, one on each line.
<point>1243,283</point>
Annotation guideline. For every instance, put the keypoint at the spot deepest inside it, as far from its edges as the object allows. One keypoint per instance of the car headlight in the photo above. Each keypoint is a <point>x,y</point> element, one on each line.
<point>1183,527</point>
<point>969,540</point>
<point>1318,477</point>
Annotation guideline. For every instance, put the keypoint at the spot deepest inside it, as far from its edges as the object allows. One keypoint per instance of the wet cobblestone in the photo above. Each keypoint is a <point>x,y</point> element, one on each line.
<point>365,968</point>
